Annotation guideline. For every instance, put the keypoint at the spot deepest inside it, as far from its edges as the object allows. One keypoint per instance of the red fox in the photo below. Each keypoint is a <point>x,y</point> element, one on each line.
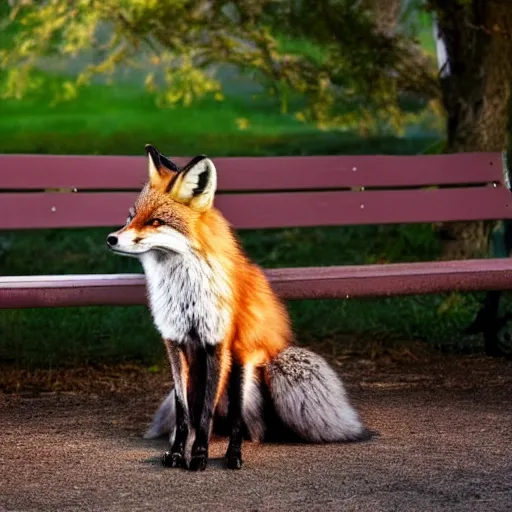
<point>227,335</point>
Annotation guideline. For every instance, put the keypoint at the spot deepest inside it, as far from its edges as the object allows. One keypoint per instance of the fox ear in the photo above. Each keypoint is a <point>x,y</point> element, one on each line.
<point>196,184</point>
<point>160,169</point>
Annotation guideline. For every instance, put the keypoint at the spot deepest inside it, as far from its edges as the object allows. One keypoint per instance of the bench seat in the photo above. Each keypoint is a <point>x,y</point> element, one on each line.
<point>290,283</point>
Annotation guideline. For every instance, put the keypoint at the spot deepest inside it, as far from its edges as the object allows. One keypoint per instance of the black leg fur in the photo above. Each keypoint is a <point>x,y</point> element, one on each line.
<point>234,452</point>
<point>202,388</point>
<point>175,458</point>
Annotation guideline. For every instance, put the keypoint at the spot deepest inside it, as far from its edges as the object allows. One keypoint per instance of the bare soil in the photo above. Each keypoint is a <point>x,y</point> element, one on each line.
<point>71,440</point>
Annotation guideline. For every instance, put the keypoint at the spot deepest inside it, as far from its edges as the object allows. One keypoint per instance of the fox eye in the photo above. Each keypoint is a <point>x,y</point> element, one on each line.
<point>131,214</point>
<point>155,223</point>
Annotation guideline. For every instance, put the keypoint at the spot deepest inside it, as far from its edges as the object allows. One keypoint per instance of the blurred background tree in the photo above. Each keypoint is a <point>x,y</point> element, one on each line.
<point>358,55</point>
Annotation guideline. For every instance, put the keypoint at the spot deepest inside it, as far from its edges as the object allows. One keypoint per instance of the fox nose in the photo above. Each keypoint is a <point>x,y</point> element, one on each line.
<point>112,240</point>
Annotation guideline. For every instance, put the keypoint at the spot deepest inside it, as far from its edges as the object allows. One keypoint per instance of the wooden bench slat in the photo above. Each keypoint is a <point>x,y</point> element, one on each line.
<point>308,209</point>
<point>292,284</point>
<point>269,210</point>
<point>18,172</point>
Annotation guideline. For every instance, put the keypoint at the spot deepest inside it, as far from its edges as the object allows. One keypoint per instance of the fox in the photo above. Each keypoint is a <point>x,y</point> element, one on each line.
<point>235,366</point>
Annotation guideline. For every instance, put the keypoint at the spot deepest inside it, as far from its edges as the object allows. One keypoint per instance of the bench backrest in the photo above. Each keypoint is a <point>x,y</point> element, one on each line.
<point>45,191</point>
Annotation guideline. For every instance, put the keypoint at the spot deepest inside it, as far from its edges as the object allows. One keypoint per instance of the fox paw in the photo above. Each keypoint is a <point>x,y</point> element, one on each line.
<point>173,460</point>
<point>234,461</point>
<point>198,462</point>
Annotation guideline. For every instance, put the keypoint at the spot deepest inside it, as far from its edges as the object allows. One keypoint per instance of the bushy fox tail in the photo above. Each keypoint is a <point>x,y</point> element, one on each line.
<point>164,419</point>
<point>303,399</point>
<point>310,399</point>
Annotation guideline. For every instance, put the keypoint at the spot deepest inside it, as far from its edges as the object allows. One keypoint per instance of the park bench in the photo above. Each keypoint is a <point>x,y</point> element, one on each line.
<point>44,191</point>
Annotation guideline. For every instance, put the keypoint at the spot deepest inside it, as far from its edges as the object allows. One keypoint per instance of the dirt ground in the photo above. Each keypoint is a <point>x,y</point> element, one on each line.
<point>445,443</point>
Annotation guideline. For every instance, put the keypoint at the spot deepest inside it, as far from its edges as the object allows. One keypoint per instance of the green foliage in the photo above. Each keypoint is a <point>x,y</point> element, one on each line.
<point>353,75</point>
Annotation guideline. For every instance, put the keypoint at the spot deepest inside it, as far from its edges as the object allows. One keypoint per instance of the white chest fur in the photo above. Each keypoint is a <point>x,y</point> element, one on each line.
<point>187,295</point>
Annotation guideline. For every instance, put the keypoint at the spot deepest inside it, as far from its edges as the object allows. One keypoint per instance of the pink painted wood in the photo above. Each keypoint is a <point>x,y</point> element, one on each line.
<point>19,172</point>
<point>316,201</point>
<point>269,210</point>
<point>294,283</point>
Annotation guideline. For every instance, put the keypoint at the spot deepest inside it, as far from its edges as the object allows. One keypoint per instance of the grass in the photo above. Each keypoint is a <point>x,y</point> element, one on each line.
<point>120,120</point>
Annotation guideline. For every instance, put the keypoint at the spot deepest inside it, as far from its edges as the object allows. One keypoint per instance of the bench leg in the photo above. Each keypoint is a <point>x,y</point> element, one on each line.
<point>489,324</point>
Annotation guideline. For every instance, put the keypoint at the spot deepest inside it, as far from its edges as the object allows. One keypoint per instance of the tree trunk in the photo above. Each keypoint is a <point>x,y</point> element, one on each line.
<point>476,88</point>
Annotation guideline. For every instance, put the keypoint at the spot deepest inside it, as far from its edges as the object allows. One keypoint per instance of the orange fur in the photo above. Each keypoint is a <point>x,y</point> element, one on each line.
<point>225,368</point>
<point>259,323</point>
<point>261,326</point>
<point>216,308</point>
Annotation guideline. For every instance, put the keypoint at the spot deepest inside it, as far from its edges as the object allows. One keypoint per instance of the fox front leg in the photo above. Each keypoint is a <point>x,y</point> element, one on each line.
<point>202,390</point>
<point>234,451</point>
<point>175,457</point>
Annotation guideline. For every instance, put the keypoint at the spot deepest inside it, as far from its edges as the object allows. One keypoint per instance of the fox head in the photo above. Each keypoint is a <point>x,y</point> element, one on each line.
<point>168,207</point>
